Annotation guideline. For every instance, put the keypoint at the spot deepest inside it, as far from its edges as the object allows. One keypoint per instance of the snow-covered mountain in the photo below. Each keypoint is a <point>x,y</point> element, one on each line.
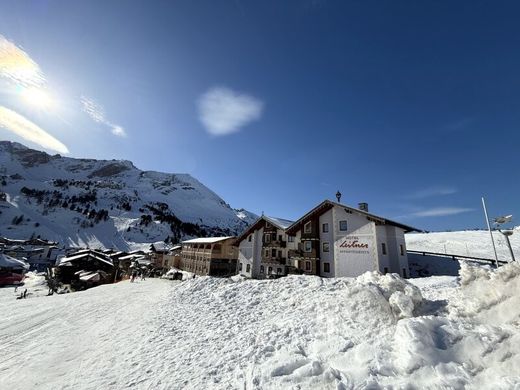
<point>105,203</point>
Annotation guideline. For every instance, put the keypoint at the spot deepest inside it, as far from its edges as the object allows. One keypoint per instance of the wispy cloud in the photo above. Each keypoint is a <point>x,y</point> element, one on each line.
<point>441,212</point>
<point>432,191</point>
<point>223,111</point>
<point>16,65</point>
<point>96,112</point>
<point>19,125</point>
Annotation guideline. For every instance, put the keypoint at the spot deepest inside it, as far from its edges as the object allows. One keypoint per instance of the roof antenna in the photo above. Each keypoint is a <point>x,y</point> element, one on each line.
<point>338,196</point>
<point>262,212</point>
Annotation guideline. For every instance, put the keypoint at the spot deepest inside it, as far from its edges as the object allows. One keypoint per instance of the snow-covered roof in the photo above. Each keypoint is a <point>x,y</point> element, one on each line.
<point>160,246</point>
<point>279,222</point>
<point>93,255</point>
<point>131,257</point>
<point>174,248</point>
<point>206,240</point>
<point>11,262</point>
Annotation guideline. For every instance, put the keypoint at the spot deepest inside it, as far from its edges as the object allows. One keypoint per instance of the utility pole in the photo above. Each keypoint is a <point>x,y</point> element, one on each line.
<point>490,232</point>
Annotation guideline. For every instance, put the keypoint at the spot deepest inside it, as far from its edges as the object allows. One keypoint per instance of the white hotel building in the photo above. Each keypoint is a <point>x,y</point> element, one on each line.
<point>331,240</point>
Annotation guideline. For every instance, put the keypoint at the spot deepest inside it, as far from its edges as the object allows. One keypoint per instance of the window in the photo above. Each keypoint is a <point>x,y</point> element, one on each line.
<point>261,269</point>
<point>383,248</point>
<point>343,226</point>
<point>307,246</point>
<point>240,267</point>
<point>401,249</point>
<point>326,247</point>
<point>280,238</point>
<point>404,272</point>
<point>267,253</point>
<point>250,238</point>
<point>307,266</point>
<point>326,267</point>
<point>279,271</point>
<point>325,228</point>
<point>290,238</point>
<point>267,238</point>
<point>248,268</point>
<point>270,270</point>
<point>307,228</point>
<point>385,270</point>
<point>273,252</point>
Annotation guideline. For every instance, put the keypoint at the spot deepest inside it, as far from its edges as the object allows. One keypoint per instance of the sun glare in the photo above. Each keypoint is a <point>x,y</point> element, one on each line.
<point>37,97</point>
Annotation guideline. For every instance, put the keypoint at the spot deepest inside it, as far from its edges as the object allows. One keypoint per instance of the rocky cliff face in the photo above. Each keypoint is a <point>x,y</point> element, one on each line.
<point>107,203</point>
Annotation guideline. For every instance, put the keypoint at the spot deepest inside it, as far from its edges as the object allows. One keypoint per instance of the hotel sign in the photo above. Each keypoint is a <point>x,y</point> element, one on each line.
<point>354,254</point>
<point>355,245</point>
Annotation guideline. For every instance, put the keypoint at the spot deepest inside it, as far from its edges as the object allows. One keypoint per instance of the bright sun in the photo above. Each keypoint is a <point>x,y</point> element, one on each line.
<point>37,97</point>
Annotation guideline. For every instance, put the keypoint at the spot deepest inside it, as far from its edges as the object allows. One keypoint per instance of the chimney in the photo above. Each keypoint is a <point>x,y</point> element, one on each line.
<point>363,206</point>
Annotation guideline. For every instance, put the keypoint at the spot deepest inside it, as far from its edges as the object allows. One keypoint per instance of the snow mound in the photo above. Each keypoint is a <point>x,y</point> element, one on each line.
<point>375,331</point>
<point>297,330</point>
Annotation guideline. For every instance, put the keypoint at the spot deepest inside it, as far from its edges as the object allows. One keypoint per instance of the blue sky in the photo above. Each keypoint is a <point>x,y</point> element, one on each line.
<point>410,106</point>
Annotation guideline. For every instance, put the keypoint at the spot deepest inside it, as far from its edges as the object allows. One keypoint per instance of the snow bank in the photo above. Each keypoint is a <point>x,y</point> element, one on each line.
<point>374,331</point>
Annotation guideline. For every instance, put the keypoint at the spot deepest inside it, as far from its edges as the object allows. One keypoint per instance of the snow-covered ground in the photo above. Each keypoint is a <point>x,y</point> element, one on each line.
<point>33,282</point>
<point>296,332</point>
<point>475,243</point>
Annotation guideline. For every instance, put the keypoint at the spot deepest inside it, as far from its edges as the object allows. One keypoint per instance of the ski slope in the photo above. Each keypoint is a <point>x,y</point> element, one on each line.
<point>475,243</point>
<point>297,332</point>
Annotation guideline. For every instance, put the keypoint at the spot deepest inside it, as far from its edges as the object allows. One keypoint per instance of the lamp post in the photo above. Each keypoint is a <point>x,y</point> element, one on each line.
<point>490,232</point>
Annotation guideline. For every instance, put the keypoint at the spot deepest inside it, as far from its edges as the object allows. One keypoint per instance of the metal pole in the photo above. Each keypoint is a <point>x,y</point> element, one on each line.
<point>509,245</point>
<point>490,233</point>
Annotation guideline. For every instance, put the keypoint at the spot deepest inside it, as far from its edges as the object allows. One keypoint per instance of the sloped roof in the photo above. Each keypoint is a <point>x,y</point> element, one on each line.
<point>160,246</point>
<point>11,262</point>
<point>87,254</point>
<point>328,204</point>
<point>280,223</point>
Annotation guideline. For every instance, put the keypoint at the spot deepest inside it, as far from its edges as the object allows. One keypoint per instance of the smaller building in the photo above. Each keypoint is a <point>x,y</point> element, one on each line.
<point>86,268</point>
<point>158,250</point>
<point>213,256</point>
<point>263,248</point>
<point>11,270</point>
<point>172,259</point>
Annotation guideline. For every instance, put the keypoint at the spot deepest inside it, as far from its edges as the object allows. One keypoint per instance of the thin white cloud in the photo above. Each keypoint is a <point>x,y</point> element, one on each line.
<point>441,212</point>
<point>223,111</point>
<point>96,112</point>
<point>17,66</point>
<point>26,129</point>
<point>432,191</point>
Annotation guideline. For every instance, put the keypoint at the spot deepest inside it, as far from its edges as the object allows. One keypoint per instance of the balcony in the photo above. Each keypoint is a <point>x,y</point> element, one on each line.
<point>278,260</point>
<point>275,244</point>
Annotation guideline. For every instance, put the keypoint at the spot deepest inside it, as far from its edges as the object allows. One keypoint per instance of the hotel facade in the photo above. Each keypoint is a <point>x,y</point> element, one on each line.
<point>331,240</point>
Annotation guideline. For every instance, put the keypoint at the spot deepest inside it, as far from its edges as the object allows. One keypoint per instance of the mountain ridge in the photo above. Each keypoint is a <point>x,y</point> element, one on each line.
<point>105,203</point>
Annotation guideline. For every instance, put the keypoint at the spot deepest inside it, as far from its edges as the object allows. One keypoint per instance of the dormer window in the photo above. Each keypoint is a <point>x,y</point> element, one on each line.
<point>307,228</point>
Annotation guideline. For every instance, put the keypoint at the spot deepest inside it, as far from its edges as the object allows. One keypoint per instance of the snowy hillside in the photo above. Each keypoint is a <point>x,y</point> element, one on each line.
<point>105,203</point>
<point>465,243</point>
<point>297,332</point>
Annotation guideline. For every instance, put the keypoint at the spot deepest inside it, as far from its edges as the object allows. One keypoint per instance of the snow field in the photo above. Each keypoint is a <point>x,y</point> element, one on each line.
<point>465,243</point>
<point>302,332</point>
